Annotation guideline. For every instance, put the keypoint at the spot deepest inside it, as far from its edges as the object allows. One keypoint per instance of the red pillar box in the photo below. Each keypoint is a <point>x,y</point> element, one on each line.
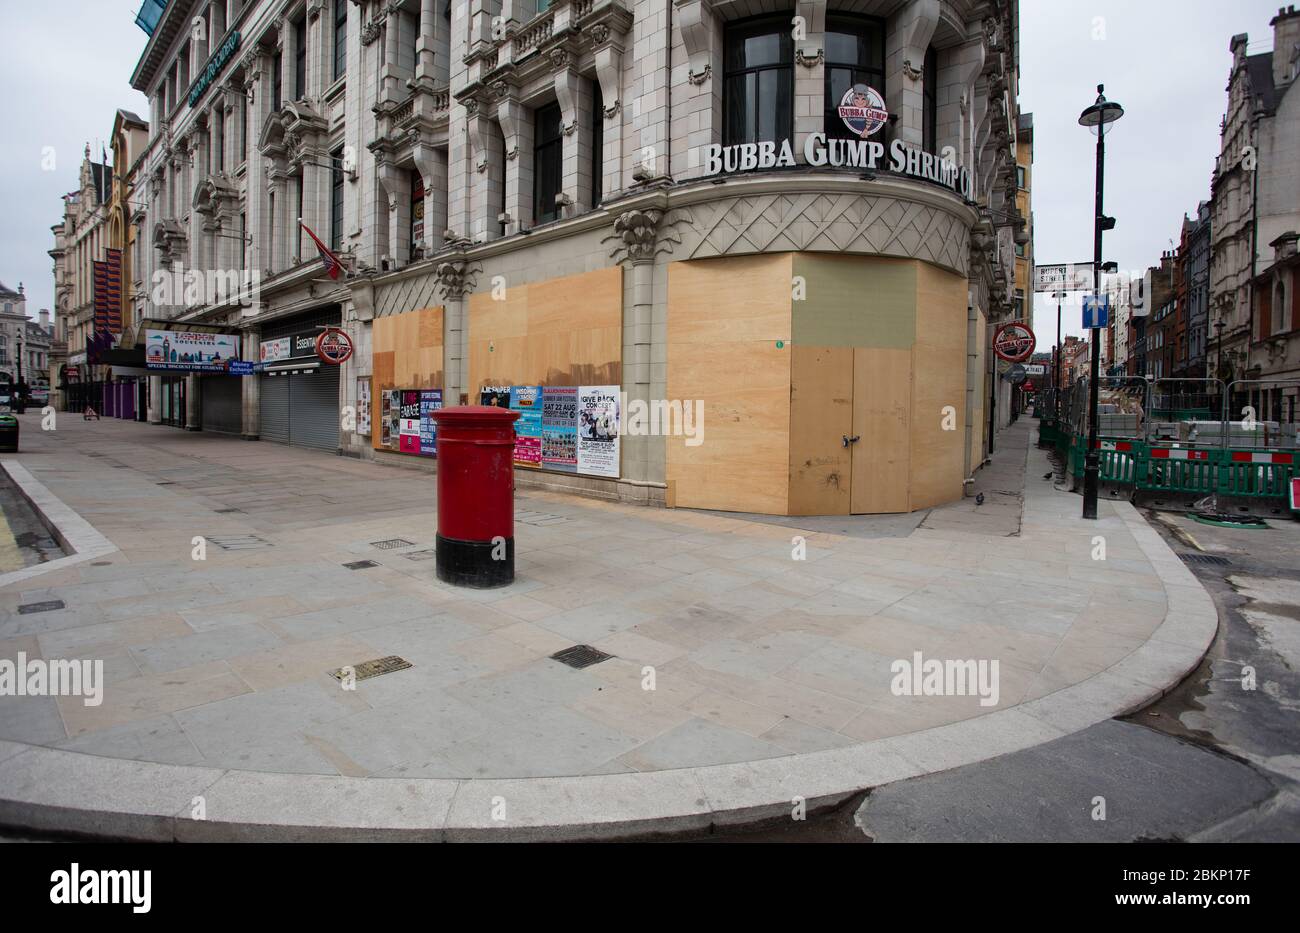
<point>476,506</point>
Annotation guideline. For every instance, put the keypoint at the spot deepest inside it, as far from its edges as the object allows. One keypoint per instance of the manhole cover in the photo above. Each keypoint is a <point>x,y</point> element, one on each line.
<point>581,656</point>
<point>421,555</point>
<point>360,564</point>
<point>238,542</point>
<point>1205,558</point>
<point>367,669</point>
<point>391,543</point>
<point>46,606</point>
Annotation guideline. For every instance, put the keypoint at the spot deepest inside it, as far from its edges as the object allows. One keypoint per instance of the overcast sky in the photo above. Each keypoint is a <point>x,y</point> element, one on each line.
<point>68,63</point>
<point>1166,62</point>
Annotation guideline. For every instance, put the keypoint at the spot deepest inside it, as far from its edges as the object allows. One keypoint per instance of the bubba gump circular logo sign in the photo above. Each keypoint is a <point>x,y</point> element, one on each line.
<point>863,110</point>
<point>1014,342</point>
<point>334,346</point>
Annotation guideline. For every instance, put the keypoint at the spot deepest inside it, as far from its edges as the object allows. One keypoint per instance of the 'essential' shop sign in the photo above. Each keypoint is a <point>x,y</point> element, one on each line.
<point>818,151</point>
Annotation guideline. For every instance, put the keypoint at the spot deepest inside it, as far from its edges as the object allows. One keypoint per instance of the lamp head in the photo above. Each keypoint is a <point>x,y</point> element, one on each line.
<point>1101,114</point>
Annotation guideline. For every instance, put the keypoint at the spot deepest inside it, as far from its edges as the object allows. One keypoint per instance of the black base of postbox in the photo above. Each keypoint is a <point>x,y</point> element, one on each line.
<point>479,564</point>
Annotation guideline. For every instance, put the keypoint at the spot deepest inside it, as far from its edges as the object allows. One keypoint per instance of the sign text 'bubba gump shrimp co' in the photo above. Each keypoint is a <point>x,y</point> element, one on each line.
<point>863,111</point>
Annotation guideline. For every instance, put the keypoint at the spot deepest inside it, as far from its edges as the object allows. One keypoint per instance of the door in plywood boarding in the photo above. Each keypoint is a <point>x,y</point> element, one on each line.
<point>881,461</point>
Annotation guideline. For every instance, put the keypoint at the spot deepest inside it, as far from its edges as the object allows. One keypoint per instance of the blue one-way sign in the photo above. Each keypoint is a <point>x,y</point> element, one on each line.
<point>1096,310</point>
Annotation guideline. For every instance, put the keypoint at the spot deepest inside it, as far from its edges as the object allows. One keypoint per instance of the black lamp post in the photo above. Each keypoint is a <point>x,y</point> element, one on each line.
<point>1097,118</point>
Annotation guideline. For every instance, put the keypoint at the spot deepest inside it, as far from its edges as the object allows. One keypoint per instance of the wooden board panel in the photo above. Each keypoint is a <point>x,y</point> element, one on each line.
<point>882,390</point>
<point>564,331</point>
<point>939,381</point>
<point>821,414</point>
<point>734,299</point>
<point>725,318</point>
<point>743,463</point>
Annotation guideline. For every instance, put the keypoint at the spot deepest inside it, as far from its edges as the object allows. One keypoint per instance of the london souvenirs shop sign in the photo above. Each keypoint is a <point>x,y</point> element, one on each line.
<point>863,111</point>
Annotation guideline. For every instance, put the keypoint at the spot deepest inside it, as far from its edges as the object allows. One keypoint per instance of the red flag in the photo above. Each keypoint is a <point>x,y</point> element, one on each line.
<point>333,266</point>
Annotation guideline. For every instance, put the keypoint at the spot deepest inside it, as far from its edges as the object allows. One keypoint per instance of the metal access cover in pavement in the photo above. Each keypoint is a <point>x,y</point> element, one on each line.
<point>47,606</point>
<point>581,656</point>
<point>238,542</point>
<point>391,543</point>
<point>1205,558</point>
<point>367,669</point>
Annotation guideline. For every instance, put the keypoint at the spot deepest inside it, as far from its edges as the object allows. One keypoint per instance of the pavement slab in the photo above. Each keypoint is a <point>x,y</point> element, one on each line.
<point>729,646</point>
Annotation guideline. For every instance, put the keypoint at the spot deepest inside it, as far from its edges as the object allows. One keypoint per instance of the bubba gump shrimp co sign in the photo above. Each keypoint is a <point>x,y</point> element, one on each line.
<point>334,346</point>
<point>1014,342</point>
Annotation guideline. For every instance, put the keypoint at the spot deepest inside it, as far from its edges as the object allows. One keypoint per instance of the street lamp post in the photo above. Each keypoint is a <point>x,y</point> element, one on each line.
<point>1097,118</point>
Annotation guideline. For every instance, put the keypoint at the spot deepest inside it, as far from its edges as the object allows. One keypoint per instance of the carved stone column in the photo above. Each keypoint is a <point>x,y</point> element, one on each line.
<point>638,231</point>
<point>574,98</point>
<point>251,386</point>
<point>456,278</point>
<point>517,135</point>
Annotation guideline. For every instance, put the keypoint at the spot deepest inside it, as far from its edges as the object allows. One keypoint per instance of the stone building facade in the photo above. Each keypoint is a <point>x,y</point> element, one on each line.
<point>79,240</point>
<point>1255,200</point>
<point>528,194</point>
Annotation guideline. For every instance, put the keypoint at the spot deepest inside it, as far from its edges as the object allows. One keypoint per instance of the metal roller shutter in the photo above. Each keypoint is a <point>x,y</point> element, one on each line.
<point>314,408</point>
<point>274,410</point>
<point>221,399</point>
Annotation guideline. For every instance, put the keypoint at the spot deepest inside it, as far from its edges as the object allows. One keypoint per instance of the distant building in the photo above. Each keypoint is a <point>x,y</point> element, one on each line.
<point>1194,259</point>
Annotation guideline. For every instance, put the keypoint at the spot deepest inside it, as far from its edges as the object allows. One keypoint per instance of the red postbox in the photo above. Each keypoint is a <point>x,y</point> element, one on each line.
<point>476,488</point>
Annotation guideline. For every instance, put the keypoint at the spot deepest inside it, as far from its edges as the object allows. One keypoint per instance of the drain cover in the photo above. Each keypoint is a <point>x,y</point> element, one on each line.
<point>421,555</point>
<point>46,606</point>
<point>367,669</point>
<point>581,656</point>
<point>391,543</point>
<point>1205,558</point>
<point>238,542</point>
<point>360,564</point>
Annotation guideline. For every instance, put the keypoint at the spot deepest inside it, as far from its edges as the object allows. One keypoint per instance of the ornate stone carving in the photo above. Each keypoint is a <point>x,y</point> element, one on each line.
<point>637,236</point>
<point>371,30</point>
<point>612,110</point>
<point>809,60</point>
<point>701,77</point>
<point>500,89</point>
<point>512,154</point>
<point>471,106</point>
<point>599,34</point>
<point>792,221</point>
<point>559,58</point>
<point>912,73</point>
<point>456,276</point>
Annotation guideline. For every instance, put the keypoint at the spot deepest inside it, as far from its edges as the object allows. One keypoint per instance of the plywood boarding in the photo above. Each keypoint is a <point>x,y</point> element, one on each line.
<point>407,354</point>
<point>725,319</point>
<point>855,301</point>
<point>563,331</point>
<point>821,414</point>
<point>938,381</point>
<point>882,412</point>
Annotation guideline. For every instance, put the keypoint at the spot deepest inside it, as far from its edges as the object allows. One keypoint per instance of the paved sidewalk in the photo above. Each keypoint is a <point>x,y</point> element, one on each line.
<point>223,662</point>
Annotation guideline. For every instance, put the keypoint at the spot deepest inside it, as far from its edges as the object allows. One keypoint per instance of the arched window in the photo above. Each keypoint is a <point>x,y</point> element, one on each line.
<point>758,81</point>
<point>930,101</point>
<point>855,54</point>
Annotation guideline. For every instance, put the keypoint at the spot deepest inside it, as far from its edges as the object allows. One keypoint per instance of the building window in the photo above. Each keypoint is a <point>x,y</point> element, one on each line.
<point>243,130</point>
<point>336,200</point>
<point>1020,177</point>
<point>1020,304</point>
<point>277,62</point>
<point>340,38</point>
<point>300,59</point>
<point>548,151</point>
<point>855,54</point>
<point>297,224</point>
<point>597,143</point>
<point>930,101</point>
<point>758,81</point>
<point>1020,250</point>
